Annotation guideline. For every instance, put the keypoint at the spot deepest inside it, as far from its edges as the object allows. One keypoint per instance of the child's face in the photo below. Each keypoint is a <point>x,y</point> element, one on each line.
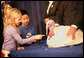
<point>18,20</point>
<point>46,20</point>
<point>25,20</point>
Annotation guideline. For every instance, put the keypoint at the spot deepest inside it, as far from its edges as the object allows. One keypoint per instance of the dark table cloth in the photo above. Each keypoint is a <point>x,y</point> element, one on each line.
<point>40,49</point>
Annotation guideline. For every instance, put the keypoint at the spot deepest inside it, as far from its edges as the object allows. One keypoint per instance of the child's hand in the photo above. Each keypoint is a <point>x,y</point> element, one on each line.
<point>20,48</point>
<point>38,36</point>
<point>29,43</point>
<point>34,41</point>
<point>46,20</point>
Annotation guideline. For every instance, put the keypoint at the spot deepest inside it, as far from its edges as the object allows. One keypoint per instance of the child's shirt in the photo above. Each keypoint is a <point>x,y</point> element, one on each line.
<point>11,37</point>
<point>27,32</point>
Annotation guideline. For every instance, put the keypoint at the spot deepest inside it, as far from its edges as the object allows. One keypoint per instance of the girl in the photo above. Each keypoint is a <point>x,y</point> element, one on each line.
<point>11,32</point>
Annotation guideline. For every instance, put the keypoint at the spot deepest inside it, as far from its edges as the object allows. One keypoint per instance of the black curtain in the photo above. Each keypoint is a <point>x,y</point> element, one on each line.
<point>36,10</point>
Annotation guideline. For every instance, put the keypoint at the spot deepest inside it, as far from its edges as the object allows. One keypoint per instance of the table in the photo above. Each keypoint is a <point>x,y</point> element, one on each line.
<point>40,49</point>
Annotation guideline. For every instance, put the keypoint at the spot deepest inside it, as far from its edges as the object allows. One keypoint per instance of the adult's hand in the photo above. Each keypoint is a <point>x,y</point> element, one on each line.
<point>71,32</point>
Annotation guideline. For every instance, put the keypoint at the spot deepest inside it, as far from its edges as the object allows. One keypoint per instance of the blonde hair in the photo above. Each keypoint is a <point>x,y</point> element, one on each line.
<point>11,16</point>
<point>6,11</point>
<point>7,8</point>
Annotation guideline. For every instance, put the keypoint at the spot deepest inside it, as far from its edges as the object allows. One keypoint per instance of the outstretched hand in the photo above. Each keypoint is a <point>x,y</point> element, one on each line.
<point>38,37</point>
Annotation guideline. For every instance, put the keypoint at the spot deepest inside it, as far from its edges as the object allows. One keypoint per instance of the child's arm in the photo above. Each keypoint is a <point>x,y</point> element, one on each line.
<point>19,39</point>
<point>18,46</point>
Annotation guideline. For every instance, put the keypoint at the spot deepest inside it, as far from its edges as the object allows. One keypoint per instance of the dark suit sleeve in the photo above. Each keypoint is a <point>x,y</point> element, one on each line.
<point>73,13</point>
<point>56,12</point>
